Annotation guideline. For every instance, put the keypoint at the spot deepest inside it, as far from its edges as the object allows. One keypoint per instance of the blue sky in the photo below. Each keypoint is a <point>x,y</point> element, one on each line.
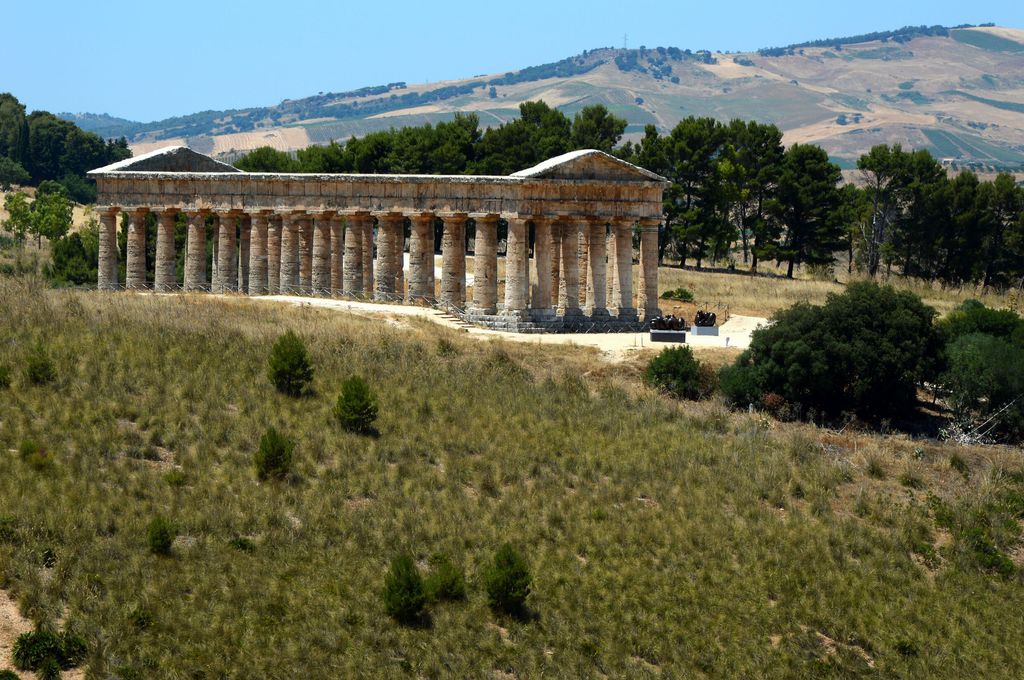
<point>147,60</point>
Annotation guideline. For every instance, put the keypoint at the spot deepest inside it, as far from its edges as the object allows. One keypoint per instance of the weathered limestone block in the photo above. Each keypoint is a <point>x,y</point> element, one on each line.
<point>623,295</point>
<point>290,254</point>
<point>322,254</point>
<point>421,258</point>
<point>583,257</point>
<point>367,231</point>
<point>556,262</point>
<point>647,300</point>
<point>485,266</point>
<point>227,257</point>
<point>195,252</point>
<point>275,227</point>
<point>107,278</point>
<point>305,226</point>
<point>135,275</point>
<point>453,261</point>
<point>353,273</point>
<point>542,257</point>
<point>244,241</point>
<point>516,269</point>
<point>258,255</point>
<point>337,255</point>
<point>597,283</point>
<point>389,228</point>
<point>164,279</point>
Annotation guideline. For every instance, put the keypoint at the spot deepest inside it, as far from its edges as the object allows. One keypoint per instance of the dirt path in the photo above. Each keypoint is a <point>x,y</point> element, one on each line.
<point>733,334</point>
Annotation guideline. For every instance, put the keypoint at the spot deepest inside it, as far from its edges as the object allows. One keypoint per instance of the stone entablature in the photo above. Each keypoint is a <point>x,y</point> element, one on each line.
<point>314,233</point>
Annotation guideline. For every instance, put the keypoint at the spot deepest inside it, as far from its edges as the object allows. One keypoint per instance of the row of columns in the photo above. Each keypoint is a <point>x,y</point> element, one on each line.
<point>327,253</point>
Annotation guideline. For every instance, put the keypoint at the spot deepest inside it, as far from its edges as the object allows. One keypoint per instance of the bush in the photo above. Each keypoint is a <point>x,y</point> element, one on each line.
<point>974,317</point>
<point>274,457</point>
<point>446,582</point>
<point>676,371</point>
<point>404,595</point>
<point>48,670</point>
<point>9,675</point>
<point>5,377</point>
<point>290,369</point>
<point>39,368</point>
<point>356,409</point>
<point>33,650</point>
<point>507,581</point>
<point>863,352</point>
<point>160,536</point>
<point>35,456</point>
<point>680,294</point>
<point>985,377</point>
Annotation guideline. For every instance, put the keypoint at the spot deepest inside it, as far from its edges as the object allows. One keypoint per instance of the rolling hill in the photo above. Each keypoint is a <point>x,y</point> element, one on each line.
<point>958,92</point>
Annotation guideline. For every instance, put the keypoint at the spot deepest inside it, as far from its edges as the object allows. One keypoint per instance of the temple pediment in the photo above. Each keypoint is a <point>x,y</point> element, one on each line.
<point>589,164</point>
<point>169,159</point>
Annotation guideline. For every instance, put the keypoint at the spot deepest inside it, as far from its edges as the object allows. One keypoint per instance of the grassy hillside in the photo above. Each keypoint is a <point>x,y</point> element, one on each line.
<point>955,92</point>
<point>669,538</point>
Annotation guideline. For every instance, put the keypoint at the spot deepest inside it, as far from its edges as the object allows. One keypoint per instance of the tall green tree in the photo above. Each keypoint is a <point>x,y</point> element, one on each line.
<point>884,172</point>
<point>13,128</point>
<point>19,215</point>
<point>594,127</point>
<point>806,205</point>
<point>759,152</point>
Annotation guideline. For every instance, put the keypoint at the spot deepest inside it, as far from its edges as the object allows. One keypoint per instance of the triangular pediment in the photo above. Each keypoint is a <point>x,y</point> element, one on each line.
<point>589,164</point>
<point>169,159</point>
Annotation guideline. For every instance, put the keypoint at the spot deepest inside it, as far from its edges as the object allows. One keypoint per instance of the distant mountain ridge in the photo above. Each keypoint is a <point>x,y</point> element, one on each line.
<point>958,92</point>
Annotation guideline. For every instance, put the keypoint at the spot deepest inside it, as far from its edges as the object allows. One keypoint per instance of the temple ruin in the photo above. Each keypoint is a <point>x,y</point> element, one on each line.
<point>313,234</point>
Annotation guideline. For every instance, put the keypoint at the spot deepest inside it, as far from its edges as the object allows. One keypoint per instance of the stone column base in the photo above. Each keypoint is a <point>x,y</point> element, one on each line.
<point>546,314</point>
<point>482,311</point>
<point>626,314</point>
<point>598,313</point>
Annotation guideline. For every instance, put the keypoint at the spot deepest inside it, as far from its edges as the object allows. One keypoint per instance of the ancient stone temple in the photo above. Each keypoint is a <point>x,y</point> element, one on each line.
<point>568,253</point>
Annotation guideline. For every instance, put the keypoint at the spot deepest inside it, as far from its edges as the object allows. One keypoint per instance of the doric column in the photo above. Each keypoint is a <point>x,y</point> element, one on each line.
<point>275,227</point>
<point>290,253</point>
<point>107,274</point>
<point>556,261</point>
<point>164,278</point>
<point>583,256</point>
<point>135,276</point>
<point>541,298</point>
<point>389,228</point>
<point>244,241</point>
<point>322,254</point>
<point>353,263</point>
<point>647,300</point>
<point>367,223</point>
<point>421,258</point>
<point>613,268</point>
<point>453,261</point>
<point>622,298</point>
<point>597,274</point>
<point>195,252</point>
<point>258,254</point>
<point>485,266</point>
<point>569,285</point>
<point>337,254</point>
<point>215,240</point>
<point>227,256</point>
<point>400,258</point>
<point>517,281</point>
<point>305,227</point>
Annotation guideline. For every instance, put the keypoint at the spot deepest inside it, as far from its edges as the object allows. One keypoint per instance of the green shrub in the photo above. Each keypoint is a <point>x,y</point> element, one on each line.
<point>39,369</point>
<point>446,582</point>
<point>405,597</point>
<point>957,462</point>
<point>33,650</point>
<point>356,409</point>
<point>863,352</point>
<point>274,457</point>
<point>242,544</point>
<point>507,581</point>
<point>9,675</point>
<point>676,371</point>
<point>160,536</point>
<point>680,294</point>
<point>985,376</point>
<point>290,368</point>
<point>35,456</point>
<point>973,317</point>
<point>48,670</point>
<point>5,377</point>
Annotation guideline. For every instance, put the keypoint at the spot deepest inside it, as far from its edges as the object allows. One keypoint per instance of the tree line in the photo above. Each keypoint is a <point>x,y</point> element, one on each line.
<point>40,147</point>
<point>736,193</point>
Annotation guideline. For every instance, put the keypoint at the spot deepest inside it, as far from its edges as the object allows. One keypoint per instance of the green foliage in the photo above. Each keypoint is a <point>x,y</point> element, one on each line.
<point>290,368</point>
<point>8,675</point>
<point>863,352</point>
<point>19,215</point>
<point>75,257</point>
<point>404,595</point>
<point>12,172</point>
<point>356,409</point>
<point>267,159</point>
<point>594,127</point>
<point>680,294</point>
<point>972,317</point>
<point>39,368</point>
<point>985,377</point>
<point>5,376</point>
<point>676,371</point>
<point>273,459</point>
<point>507,581</point>
<point>446,582</point>
<point>32,651</point>
<point>160,535</point>
<point>35,456</point>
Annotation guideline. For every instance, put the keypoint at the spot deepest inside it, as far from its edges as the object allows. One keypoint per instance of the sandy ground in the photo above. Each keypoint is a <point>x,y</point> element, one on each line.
<point>733,334</point>
<point>12,624</point>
